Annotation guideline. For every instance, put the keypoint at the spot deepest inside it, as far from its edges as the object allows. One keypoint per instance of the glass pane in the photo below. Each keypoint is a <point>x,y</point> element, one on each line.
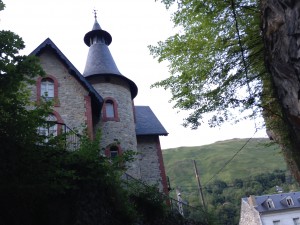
<point>47,88</point>
<point>109,107</point>
<point>113,154</point>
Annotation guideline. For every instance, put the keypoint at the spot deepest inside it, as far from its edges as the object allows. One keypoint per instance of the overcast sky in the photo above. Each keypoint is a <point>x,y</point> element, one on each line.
<point>133,25</point>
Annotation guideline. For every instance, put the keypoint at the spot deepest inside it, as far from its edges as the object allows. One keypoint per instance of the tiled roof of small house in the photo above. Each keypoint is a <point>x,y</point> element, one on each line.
<point>99,60</point>
<point>97,100</point>
<point>147,123</point>
<point>279,202</point>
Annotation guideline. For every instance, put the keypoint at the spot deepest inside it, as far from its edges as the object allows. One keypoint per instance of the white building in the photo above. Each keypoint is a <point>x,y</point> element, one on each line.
<point>277,209</point>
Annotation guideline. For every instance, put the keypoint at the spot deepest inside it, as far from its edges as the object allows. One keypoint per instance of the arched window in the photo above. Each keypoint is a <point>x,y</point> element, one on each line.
<point>113,150</point>
<point>47,89</point>
<point>52,127</point>
<point>110,110</point>
<point>49,129</point>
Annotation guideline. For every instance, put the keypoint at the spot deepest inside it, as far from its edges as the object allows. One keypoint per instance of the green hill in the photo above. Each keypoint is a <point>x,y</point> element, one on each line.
<point>238,160</point>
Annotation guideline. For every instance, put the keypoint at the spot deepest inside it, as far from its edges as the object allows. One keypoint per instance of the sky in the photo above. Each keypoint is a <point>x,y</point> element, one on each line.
<point>133,25</point>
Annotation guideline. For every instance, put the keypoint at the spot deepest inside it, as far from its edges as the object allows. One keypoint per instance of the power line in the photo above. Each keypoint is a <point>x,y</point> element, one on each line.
<point>220,170</point>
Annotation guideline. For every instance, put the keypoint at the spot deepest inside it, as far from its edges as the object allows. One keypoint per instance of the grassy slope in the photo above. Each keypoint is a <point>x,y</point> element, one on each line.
<point>256,157</point>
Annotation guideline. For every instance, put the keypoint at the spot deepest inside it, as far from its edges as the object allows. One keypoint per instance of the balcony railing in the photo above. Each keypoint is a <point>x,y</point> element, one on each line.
<point>71,139</point>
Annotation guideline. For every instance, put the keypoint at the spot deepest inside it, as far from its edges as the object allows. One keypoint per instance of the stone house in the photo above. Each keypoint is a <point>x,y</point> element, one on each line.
<point>101,98</point>
<point>276,209</point>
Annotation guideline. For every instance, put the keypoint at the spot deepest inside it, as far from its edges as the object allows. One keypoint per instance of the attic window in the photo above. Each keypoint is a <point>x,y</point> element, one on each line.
<point>270,204</point>
<point>47,88</point>
<point>289,201</point>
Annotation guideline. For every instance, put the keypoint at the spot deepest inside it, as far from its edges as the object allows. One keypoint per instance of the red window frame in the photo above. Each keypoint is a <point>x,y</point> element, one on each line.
<point>39,85</point>
<point>105,117</point>
<point>108,150</point>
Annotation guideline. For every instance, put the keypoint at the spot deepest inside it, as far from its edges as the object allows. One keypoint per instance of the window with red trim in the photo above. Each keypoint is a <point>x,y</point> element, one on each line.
<point>52,126</point>
<point>50,129</point>
<point>110,110</point>
<point>113,151</point>
<point>47,89</point>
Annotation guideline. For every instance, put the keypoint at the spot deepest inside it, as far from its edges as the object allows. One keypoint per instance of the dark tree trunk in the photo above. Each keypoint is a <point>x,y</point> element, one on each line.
<point>281,35</point>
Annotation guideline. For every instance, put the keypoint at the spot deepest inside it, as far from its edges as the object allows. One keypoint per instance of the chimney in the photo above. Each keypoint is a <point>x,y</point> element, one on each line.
<point>252,200</point>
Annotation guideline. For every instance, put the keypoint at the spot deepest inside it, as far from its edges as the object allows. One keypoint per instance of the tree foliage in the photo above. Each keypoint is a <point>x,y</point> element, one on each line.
<point>215,60</point>
<point>224,198</point>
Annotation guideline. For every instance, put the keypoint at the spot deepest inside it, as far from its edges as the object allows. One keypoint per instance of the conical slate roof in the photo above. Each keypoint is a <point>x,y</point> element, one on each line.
<point>99,60</point>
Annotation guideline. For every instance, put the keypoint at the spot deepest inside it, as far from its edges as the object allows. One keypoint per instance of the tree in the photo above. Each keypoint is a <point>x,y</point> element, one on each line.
<point>236,55</point>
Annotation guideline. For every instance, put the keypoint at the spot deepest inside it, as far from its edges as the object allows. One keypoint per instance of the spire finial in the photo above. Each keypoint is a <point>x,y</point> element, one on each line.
<point>95,14</point>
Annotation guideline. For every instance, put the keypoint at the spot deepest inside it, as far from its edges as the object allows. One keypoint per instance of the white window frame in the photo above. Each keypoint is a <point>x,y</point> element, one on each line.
<point>47,88</point>
<point>270,204</point>
<point>289,201</point>
<point>49,130</point>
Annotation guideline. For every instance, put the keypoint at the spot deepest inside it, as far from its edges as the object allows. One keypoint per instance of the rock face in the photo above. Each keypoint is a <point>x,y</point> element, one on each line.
<point>281,35</point>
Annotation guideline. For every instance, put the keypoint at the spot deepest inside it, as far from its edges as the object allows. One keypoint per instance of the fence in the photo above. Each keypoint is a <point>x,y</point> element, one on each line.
<point>175,206</point>
<point>54,129</point>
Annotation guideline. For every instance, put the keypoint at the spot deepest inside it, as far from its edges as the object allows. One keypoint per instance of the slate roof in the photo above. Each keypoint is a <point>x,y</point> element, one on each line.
<point>147,123</point>
<point>97,100</point>
<point>99,60</point>
<point>279,201</point>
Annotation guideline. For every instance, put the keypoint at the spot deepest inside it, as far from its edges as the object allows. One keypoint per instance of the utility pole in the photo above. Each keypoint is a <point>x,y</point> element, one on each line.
<point>199,186</point>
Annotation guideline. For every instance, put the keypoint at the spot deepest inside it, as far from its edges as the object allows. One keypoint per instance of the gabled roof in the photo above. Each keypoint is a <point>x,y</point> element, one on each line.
<point>279,201</point>
<point>97,100</point>
<point>147,123</point>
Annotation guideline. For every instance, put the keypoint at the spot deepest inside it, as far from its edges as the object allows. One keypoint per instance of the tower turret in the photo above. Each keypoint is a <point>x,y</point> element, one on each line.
<point>100,61</point>
<point>117,122</point>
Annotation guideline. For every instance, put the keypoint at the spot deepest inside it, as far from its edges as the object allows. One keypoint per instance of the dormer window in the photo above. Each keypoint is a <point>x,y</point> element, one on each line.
<point>289,201</point>
<point>296,221</point>
<point>270,204</point>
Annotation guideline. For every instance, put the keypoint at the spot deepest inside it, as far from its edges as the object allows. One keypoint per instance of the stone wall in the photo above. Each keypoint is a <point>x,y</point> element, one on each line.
<point>71,95</point>
<point>123,130</point>
<point>152,168</point>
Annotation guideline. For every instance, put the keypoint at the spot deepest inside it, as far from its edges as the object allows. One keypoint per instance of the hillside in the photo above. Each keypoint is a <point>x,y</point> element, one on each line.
<point>258,156</point>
